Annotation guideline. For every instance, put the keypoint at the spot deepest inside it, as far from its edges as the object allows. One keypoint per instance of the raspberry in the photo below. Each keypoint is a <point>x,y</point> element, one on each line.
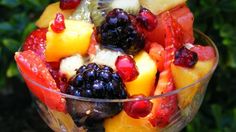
<point>118,33</point>
<point>185,57</point>
<point>69,4</point>
<point>126,68</point>
<point>147,19</point>
<point>137,109</point>
<point>58,24</point>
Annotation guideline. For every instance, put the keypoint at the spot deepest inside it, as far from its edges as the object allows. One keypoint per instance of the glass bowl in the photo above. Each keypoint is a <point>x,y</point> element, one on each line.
<point>87,112</point>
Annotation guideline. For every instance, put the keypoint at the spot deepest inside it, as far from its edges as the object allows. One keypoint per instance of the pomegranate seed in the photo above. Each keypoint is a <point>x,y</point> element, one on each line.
<point>126,68</point>
<point>137,109</point>
<point>58,24</point>
<point>69,4</point>
<point>185,57</point>
<point>147,19</point>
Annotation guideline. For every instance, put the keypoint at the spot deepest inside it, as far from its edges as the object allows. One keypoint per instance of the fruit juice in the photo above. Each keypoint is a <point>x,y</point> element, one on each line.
<point>117,65</point>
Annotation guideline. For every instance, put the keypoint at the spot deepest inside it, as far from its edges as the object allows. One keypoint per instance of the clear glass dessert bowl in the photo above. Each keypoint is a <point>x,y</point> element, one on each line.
<point>86,114</point>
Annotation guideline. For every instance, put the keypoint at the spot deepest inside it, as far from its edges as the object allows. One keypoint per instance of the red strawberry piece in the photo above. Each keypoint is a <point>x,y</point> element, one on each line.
<point>165,107</point>
<point>58,24</point>
<point>39,80</point>
<point>69,4</point>
<point>36,42</point>
<point>183,16</point>
<point>139,108</point>
<point>174,31</point>
<point>204,52</point>
<point>126,68</point>
<point>147,19</point>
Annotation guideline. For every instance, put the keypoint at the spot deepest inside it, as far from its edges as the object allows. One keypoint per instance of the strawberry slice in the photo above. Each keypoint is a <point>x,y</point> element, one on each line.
<point>183,16</point>
<point>36,42</point>
<point>164,108</point>
<point>39,79</point>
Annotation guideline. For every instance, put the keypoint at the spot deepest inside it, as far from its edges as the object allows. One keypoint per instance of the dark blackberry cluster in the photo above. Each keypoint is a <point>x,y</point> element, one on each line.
<point>119,33</point>
<point>95,81</point>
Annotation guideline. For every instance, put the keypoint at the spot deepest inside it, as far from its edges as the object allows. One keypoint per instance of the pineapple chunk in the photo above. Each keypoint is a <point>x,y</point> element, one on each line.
<point>186,76</point>
<point>159,6</point>
<point>50,13</point>
<point>75,39</point>
<point>123,123</point>
<point>203,67</point>
<point>183,77</point>
<point>144,83</point>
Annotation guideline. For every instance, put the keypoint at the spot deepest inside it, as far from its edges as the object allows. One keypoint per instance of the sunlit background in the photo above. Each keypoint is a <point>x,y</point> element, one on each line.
<point>217,18</point>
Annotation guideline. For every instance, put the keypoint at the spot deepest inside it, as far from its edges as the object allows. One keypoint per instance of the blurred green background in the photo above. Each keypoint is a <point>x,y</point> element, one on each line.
<point>217,18</point>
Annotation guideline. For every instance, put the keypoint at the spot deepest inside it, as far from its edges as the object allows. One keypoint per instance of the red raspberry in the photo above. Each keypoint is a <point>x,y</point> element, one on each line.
<point>147,19</point>
<point>58,24</point>
<point>126,68</point>
<point>36,42</point>
<point>137,109</point>
<point>69,4</point>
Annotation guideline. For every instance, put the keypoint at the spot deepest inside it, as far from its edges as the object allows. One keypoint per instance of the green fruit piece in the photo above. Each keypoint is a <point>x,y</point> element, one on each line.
<point>82,12</point>
<point>99,8</point>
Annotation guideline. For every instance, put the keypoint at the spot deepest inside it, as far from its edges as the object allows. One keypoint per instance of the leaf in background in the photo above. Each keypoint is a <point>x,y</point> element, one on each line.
<point>10,3</point>
<point>11,44</point>
<point>27,30</point>
<point>216,111</point>
<point>5,26</point>
<point>228,6</point>
<point>12,70</point>
<point>231,57</point>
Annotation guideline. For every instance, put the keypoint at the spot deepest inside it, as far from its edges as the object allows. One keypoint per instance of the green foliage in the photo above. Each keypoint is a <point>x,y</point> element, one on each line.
<point>16,21</point>
<point>217,19</point>
<point>214,17</point>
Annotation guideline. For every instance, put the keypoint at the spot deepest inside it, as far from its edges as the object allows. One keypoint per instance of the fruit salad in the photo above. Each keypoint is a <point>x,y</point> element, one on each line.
<point>116,65</point>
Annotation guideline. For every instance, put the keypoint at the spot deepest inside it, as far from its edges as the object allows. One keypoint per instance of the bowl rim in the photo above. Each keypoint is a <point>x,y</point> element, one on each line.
<point>196,31</point>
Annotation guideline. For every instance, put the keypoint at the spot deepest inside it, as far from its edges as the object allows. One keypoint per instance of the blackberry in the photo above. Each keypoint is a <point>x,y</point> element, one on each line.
<point>119,33</point>
<point>95,81</point>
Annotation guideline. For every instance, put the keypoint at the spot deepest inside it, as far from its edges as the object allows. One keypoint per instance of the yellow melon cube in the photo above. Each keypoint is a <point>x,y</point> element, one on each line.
<point>49,14</point>
<point>185,76</point>
<point>123,123</point>
<point>144,83</point>
<point>203,67</point>
<point>159,6</point>
<point>75,39</point>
